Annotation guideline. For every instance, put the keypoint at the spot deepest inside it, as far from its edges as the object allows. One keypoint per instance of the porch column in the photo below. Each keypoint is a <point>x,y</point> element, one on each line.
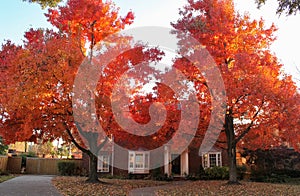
<point>184,163</point>
<point>167,160</point>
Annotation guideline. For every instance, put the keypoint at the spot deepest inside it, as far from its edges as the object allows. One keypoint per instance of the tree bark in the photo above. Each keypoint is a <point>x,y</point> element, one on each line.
<point>93,176</point>
<point>232,165</point>
<point>93,159</point>
<point>231,148</point>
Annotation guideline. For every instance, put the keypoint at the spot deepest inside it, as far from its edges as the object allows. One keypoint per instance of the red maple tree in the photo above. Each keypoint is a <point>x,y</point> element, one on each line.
<point>262,102</point>
<point>38,81</point>
<point>41,74</point>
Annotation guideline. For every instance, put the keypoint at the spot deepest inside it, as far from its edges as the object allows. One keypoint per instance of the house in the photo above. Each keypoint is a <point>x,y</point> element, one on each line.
<point>115,160</point>
<point>45,150</point>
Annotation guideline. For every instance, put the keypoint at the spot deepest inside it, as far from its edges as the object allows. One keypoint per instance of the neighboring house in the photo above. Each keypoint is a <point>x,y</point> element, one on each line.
<point>20,147</point>
<point>43,150</point>
<point>140,161</point>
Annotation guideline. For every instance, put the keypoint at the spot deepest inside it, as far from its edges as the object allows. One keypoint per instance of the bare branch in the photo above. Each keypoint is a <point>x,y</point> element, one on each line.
<point>250,125</point>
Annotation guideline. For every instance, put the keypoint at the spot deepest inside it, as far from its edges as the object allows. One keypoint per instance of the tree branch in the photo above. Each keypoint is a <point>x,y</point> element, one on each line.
<point>250,125</point>
<point>74,141</point>
<point>102,144</point>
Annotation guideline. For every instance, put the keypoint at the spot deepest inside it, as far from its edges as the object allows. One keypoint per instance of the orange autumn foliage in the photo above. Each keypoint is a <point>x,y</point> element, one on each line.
<point>41,74</point>
<point>262,102</point>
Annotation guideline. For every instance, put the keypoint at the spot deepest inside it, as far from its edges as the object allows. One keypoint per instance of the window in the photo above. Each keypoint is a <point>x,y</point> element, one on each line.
<point>103,163</point>
<point>212,159</point>
<point>138,162</point>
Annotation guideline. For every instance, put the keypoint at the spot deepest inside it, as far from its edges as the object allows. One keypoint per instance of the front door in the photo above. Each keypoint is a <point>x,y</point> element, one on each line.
<point>175,164</point>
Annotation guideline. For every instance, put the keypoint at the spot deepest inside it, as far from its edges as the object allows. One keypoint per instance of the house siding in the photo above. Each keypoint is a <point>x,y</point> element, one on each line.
<point>157,159</point>
<point>120,160</point>
<point>194,161</point>
<point>225,159</point>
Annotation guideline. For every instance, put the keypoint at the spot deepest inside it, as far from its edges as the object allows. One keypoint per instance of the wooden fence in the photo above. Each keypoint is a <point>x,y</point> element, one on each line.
<point>46,166</point>
<point>3,163</point>
<point>14,165</point>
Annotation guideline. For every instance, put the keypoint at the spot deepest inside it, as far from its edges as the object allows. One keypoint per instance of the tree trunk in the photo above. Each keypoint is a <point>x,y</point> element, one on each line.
<point>232,165</point>
<point>93,159</point>
<point>93,176</point>
<point>231,148</point>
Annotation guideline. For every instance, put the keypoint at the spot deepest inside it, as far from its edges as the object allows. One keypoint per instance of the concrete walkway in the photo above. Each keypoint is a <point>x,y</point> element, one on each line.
<point>29,185</point>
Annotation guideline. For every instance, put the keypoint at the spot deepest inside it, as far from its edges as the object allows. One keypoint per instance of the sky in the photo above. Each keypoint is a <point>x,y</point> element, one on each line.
<point>17,16</point>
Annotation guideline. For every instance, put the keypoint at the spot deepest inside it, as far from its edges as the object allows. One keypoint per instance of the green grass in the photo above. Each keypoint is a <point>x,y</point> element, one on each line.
<point>6,177</point>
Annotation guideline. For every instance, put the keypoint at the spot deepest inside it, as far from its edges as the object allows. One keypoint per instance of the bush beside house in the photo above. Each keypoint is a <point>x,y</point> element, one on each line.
<point>274,165</point>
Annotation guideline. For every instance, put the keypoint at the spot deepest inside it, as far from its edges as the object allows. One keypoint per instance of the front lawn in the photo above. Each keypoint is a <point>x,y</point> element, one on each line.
<point>77,186</point>
<point>221,188</point>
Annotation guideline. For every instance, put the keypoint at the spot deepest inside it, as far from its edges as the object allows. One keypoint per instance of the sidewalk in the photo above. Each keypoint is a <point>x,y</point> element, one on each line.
<point>29,185</point>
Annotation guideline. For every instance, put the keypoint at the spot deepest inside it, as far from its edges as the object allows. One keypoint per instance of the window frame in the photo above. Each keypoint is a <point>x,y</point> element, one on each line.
<point>102,167</point>
<point>206,159</point>
<point>140,166</point>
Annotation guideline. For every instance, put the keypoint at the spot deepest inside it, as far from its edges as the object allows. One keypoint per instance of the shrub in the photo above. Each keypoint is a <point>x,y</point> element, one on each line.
<point>66,168</point>
<point>131,176</point>
<point>201,173</point>
<point>3,147</point>
<point>213,173</point>
<point>274,176</point>
<point>241,171</point>
<point>258,175</point>
<point>163,177</point>
<point>109,176</point>
<point>157,174</point>
<point>287,172</point>
<point>192,177</point>
<point>217,173</point>
<point>4,173</point>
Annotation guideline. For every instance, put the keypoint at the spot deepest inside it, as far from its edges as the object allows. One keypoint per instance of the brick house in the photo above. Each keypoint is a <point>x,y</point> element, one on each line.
<point>115,160</point>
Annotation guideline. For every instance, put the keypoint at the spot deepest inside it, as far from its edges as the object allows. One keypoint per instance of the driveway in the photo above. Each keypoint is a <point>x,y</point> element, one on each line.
<point>29,185</point>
